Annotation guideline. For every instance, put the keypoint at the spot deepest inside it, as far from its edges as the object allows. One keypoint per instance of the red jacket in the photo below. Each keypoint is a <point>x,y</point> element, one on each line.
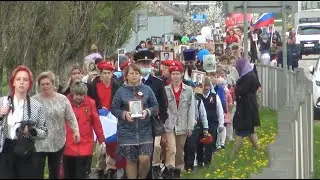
<point>88,120</point>
<point>230,40</point>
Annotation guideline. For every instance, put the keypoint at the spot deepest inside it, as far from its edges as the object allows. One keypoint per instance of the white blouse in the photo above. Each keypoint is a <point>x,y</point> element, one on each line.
<point>15,118</point>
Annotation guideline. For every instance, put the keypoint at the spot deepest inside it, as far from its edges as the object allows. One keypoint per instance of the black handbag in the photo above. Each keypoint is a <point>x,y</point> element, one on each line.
<point>25,145</point>
<point>157,126</point>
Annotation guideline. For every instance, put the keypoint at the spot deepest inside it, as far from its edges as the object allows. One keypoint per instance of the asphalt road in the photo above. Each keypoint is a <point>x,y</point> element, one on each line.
<point>308,61</point>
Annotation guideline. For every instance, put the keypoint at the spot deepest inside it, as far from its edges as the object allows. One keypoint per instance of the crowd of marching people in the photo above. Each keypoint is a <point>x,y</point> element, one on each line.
<point>174,129</point>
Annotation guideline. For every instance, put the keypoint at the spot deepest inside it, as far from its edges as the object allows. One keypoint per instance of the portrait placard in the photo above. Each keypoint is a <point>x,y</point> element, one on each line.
<point>209,63</point>
<point>198,78</point>
<point>182,48</point>
<point>166,55</point>
<point>168,38</point>
<point>254,36</point>
<point>197,46</point>
<point>219,49</point>
<point>121,51</point>
<point>135,108</point>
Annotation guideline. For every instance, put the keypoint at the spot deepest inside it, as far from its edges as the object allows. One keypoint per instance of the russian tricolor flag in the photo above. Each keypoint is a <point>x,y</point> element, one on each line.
<point>264,20</point>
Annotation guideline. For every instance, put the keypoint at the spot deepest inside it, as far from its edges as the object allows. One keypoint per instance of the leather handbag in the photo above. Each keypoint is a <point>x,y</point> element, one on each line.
<point>157,126</point>
<point>25,145</point>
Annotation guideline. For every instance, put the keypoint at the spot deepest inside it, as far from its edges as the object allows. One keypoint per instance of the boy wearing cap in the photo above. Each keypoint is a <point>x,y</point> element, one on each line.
<point>144,61</point>
<point>213,106</point>
<point>180,123</point>
<point>102,90</point>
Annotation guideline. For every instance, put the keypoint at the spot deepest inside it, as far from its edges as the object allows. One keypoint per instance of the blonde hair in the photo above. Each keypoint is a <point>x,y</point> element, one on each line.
<point>44,75</point>
<point>94,48</point>
<point>207,81</point>
<point>78,87</point>
<point>69,80</point>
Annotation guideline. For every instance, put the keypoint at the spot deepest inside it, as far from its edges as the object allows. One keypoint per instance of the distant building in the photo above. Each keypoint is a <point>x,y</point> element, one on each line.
<point>307,5</point>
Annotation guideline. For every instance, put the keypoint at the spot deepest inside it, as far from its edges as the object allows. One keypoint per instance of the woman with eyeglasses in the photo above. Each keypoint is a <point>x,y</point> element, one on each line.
<point>20,116</point>
<point>134,132</point>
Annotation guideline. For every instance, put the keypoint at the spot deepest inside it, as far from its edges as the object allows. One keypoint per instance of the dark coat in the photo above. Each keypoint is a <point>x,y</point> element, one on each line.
<point>247,113</point>
<point>280,58</point>
<point>158,89</point>
<point>92,91</point>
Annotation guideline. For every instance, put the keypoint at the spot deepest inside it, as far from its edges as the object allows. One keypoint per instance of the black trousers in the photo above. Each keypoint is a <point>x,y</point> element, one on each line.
<point>204,151</point>
<point>190,147</point>
<point>76,167</point>
<point>54,162</point>
<point>12,166</point>
<point>149,176</point>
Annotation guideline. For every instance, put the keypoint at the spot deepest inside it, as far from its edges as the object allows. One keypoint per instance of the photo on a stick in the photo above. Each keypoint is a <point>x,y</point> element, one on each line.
<point>198,78</point>
<point>209,63</point>
<point>166,55</point>
<point>121,51</point>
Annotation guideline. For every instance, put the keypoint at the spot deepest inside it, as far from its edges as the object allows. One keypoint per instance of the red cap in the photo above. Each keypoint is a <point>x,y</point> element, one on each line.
<point>176,68</point>
<point>176,63</point>
<point>166,62</point>
<point>105,65</point>
<point>124,65</point>
<point>207,140</point>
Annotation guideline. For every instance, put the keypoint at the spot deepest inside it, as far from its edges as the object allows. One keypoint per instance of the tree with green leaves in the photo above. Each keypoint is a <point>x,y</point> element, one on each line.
<point>52,35</point>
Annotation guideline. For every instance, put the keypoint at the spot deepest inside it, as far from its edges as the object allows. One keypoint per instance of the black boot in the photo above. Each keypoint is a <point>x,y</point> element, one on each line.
<point>177,173</point>
<point>168,173</point>
<point>156,172</point>
<point>111,174</point>
<point>100,174</point>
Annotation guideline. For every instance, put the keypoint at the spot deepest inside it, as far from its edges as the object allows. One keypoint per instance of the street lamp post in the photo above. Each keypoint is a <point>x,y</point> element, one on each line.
<point>284,30</point>
<point>245,29</point>
<point>141,24</point>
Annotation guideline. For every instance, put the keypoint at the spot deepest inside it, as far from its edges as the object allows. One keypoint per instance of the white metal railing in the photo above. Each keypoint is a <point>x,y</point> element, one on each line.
<point>290,93</point>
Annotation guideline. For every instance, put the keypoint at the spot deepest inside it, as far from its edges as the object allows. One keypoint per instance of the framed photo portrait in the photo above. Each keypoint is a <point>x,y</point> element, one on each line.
<point>219,49</point>
<point>121,51</point>
<point>254,36</point>
<point>168,38</point>
<point>158,48</point>
<point>135,108</point>
<point>198,78</point>
<point>199,46</point>
<point>209,63</point>
<point>156,40</point>
<point>166,55</point>
<point>182,48</point>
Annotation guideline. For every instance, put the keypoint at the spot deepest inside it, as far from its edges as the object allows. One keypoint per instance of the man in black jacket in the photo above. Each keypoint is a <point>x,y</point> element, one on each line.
<point>144,60</point>
<point>101,90</point>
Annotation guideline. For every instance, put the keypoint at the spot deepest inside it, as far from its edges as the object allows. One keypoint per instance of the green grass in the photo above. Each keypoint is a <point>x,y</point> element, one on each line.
<point>248,161</point>
<point>316,143</point>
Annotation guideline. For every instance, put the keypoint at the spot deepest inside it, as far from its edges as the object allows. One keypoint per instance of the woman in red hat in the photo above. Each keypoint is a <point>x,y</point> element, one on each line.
<point>20,116</point>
